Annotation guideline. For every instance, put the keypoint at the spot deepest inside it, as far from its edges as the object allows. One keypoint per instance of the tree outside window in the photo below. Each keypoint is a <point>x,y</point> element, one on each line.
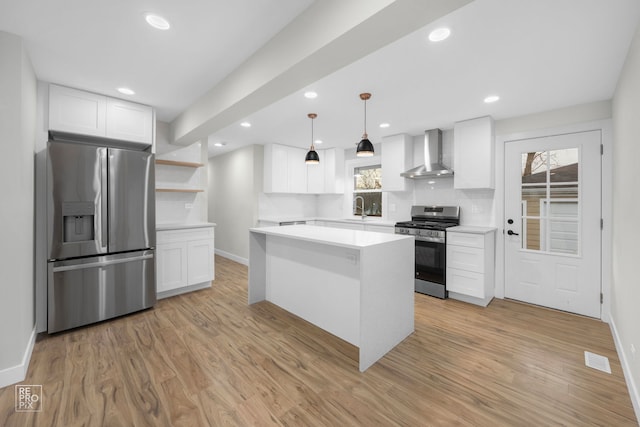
<point>367,183</point>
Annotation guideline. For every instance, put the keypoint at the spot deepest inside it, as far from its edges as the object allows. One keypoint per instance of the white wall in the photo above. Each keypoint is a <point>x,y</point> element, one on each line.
<point>235,182</point>
<point>625,312</point>
<point>180,207</point>
<point>17,121</point>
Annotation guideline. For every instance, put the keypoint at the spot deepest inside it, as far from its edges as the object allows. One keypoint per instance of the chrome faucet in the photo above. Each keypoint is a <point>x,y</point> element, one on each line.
<point>364,215</point>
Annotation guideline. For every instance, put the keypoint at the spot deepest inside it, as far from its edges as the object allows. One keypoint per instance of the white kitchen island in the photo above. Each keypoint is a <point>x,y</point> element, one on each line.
<point>357,285</point>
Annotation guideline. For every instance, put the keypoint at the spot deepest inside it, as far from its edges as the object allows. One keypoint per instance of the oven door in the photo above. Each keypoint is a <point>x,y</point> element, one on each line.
<point>430,261</point>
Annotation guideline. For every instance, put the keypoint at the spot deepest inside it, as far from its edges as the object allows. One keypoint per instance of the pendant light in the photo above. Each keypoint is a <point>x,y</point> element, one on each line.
<point>365,147</point>
<point>312,157</point>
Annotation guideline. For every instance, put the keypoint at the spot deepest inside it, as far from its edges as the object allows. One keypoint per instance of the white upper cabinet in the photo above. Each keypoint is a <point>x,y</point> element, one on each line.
<point>397,156</point>
<point>85,113</point>
<point>285,171</point>
<point>316,174</point>
<point>333,169</point>
<point>473,154</point>
<point>75,111</point>
<point>297,170</point>
<point>129,121</point>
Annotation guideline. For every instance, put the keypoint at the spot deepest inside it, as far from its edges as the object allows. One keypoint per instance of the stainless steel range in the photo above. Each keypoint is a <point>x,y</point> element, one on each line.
<point>428,225</point>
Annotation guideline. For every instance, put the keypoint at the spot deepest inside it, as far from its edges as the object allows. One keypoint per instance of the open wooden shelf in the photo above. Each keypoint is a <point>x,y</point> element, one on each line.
<point>180,190</point>
<point>178,163</point>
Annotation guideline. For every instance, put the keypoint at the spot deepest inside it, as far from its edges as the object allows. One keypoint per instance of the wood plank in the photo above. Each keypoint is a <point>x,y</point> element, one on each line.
<point>179,163</point>
<point>180,190</point>
<point>207,358</point>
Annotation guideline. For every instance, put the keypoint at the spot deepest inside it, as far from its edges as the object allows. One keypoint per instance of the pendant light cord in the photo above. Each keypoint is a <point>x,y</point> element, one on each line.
<point>364,136</point>
<point>312,147</point>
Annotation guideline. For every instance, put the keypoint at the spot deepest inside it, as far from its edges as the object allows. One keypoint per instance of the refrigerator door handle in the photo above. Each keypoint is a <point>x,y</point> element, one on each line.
<point>104,169</point>
<point>100,264</point>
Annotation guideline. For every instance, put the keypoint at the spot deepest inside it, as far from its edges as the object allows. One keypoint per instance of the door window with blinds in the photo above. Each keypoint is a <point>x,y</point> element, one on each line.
<point>550,201</point>
<point>367,183</point>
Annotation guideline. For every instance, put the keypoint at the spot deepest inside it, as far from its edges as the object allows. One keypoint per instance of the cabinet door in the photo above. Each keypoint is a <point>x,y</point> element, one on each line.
<point>397,153</point>
<point>172,266</point>
<point>473,154</point>
<point>129,122</point>
<point>276,178</point>
<point>200,261</point>
<point>316,173</point>
<point>75,111</point>
<point>297,170</point>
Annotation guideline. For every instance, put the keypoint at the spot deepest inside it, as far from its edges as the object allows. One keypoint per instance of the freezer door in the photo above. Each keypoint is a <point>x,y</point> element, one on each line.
<point>97,288</point>
<point>132,207</point>
<point>76,200</point>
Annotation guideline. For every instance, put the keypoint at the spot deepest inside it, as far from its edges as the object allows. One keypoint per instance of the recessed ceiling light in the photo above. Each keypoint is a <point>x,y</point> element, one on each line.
<point>157,21</point>
<point>310,95</point>
<point>219,144</point>
<point>384,125</point>
<point>318,141</point>
<point>439,34</point>
<point>491,98</point>
<point>126,91</point>
<point>245,124</point>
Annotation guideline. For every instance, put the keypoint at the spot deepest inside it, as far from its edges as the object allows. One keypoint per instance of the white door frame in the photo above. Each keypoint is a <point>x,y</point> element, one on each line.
<point>605,127</point>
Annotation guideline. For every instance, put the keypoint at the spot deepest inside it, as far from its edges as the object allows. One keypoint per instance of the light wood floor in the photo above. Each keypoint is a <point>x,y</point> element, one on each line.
<point>207,358</point>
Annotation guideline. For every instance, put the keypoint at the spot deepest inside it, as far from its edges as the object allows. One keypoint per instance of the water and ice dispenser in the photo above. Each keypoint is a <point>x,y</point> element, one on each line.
<point>78,221</point>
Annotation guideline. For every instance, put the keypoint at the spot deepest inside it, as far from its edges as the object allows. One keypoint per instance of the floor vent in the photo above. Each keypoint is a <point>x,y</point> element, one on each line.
<point>596,361</point>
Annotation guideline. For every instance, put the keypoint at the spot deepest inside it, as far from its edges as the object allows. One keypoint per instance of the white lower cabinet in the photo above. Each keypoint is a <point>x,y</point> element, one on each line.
<point>470,265</point>
<point>185,260</point>
<point>172,266</point>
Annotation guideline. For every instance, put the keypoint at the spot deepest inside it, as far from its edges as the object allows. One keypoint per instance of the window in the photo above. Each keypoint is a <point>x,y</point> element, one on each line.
<point>367,183</point>
<point>550,201</point>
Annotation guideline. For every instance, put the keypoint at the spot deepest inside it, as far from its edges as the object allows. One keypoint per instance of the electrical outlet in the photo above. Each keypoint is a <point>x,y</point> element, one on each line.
<point>188,205</point>
<point>392,207</point>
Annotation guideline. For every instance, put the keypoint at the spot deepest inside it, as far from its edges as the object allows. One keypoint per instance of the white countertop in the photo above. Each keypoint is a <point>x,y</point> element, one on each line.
<point>355,239</point>
<point>471,229</point>
<point>183,226</point>
<point>354,220</point>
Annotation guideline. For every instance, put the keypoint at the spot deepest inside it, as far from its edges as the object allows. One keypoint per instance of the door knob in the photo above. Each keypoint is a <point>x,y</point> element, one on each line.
<point>511,233</point>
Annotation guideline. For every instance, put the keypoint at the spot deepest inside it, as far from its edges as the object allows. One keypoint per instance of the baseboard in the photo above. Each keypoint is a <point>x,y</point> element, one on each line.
<point>631,385</point>
<point>232,257</point>
<point>18,373</point>
<point>184,290</point>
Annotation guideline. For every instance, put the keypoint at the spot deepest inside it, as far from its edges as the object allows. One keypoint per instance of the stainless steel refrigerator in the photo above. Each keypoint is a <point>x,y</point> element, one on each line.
<point>100,233</point>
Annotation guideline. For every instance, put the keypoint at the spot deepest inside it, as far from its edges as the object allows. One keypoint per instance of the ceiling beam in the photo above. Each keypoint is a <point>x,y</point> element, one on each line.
<point>327,36</point>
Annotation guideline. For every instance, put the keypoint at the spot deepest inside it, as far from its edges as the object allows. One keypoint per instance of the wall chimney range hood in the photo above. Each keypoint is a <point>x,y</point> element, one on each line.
<point>432,165</point>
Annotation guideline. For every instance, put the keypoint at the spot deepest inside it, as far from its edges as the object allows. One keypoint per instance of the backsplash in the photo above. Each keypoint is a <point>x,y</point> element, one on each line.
<point>476,206</point>
<point>286,205</point>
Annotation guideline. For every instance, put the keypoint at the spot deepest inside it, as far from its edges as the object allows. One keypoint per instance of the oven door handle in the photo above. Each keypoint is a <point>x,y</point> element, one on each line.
<point>430,239</point>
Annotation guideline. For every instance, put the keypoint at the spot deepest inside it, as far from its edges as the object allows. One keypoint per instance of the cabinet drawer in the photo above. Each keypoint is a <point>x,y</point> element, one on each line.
<point>465,239</point>
<point>465,258</point>
<point>166,236</point>
<point>465,282</point>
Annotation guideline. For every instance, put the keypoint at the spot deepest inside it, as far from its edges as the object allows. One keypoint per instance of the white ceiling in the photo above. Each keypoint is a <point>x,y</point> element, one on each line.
<point>537,55</point>
<point>102,45</point>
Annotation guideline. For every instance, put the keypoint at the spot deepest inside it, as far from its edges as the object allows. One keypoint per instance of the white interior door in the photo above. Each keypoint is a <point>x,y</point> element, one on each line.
<point>553,211</point>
